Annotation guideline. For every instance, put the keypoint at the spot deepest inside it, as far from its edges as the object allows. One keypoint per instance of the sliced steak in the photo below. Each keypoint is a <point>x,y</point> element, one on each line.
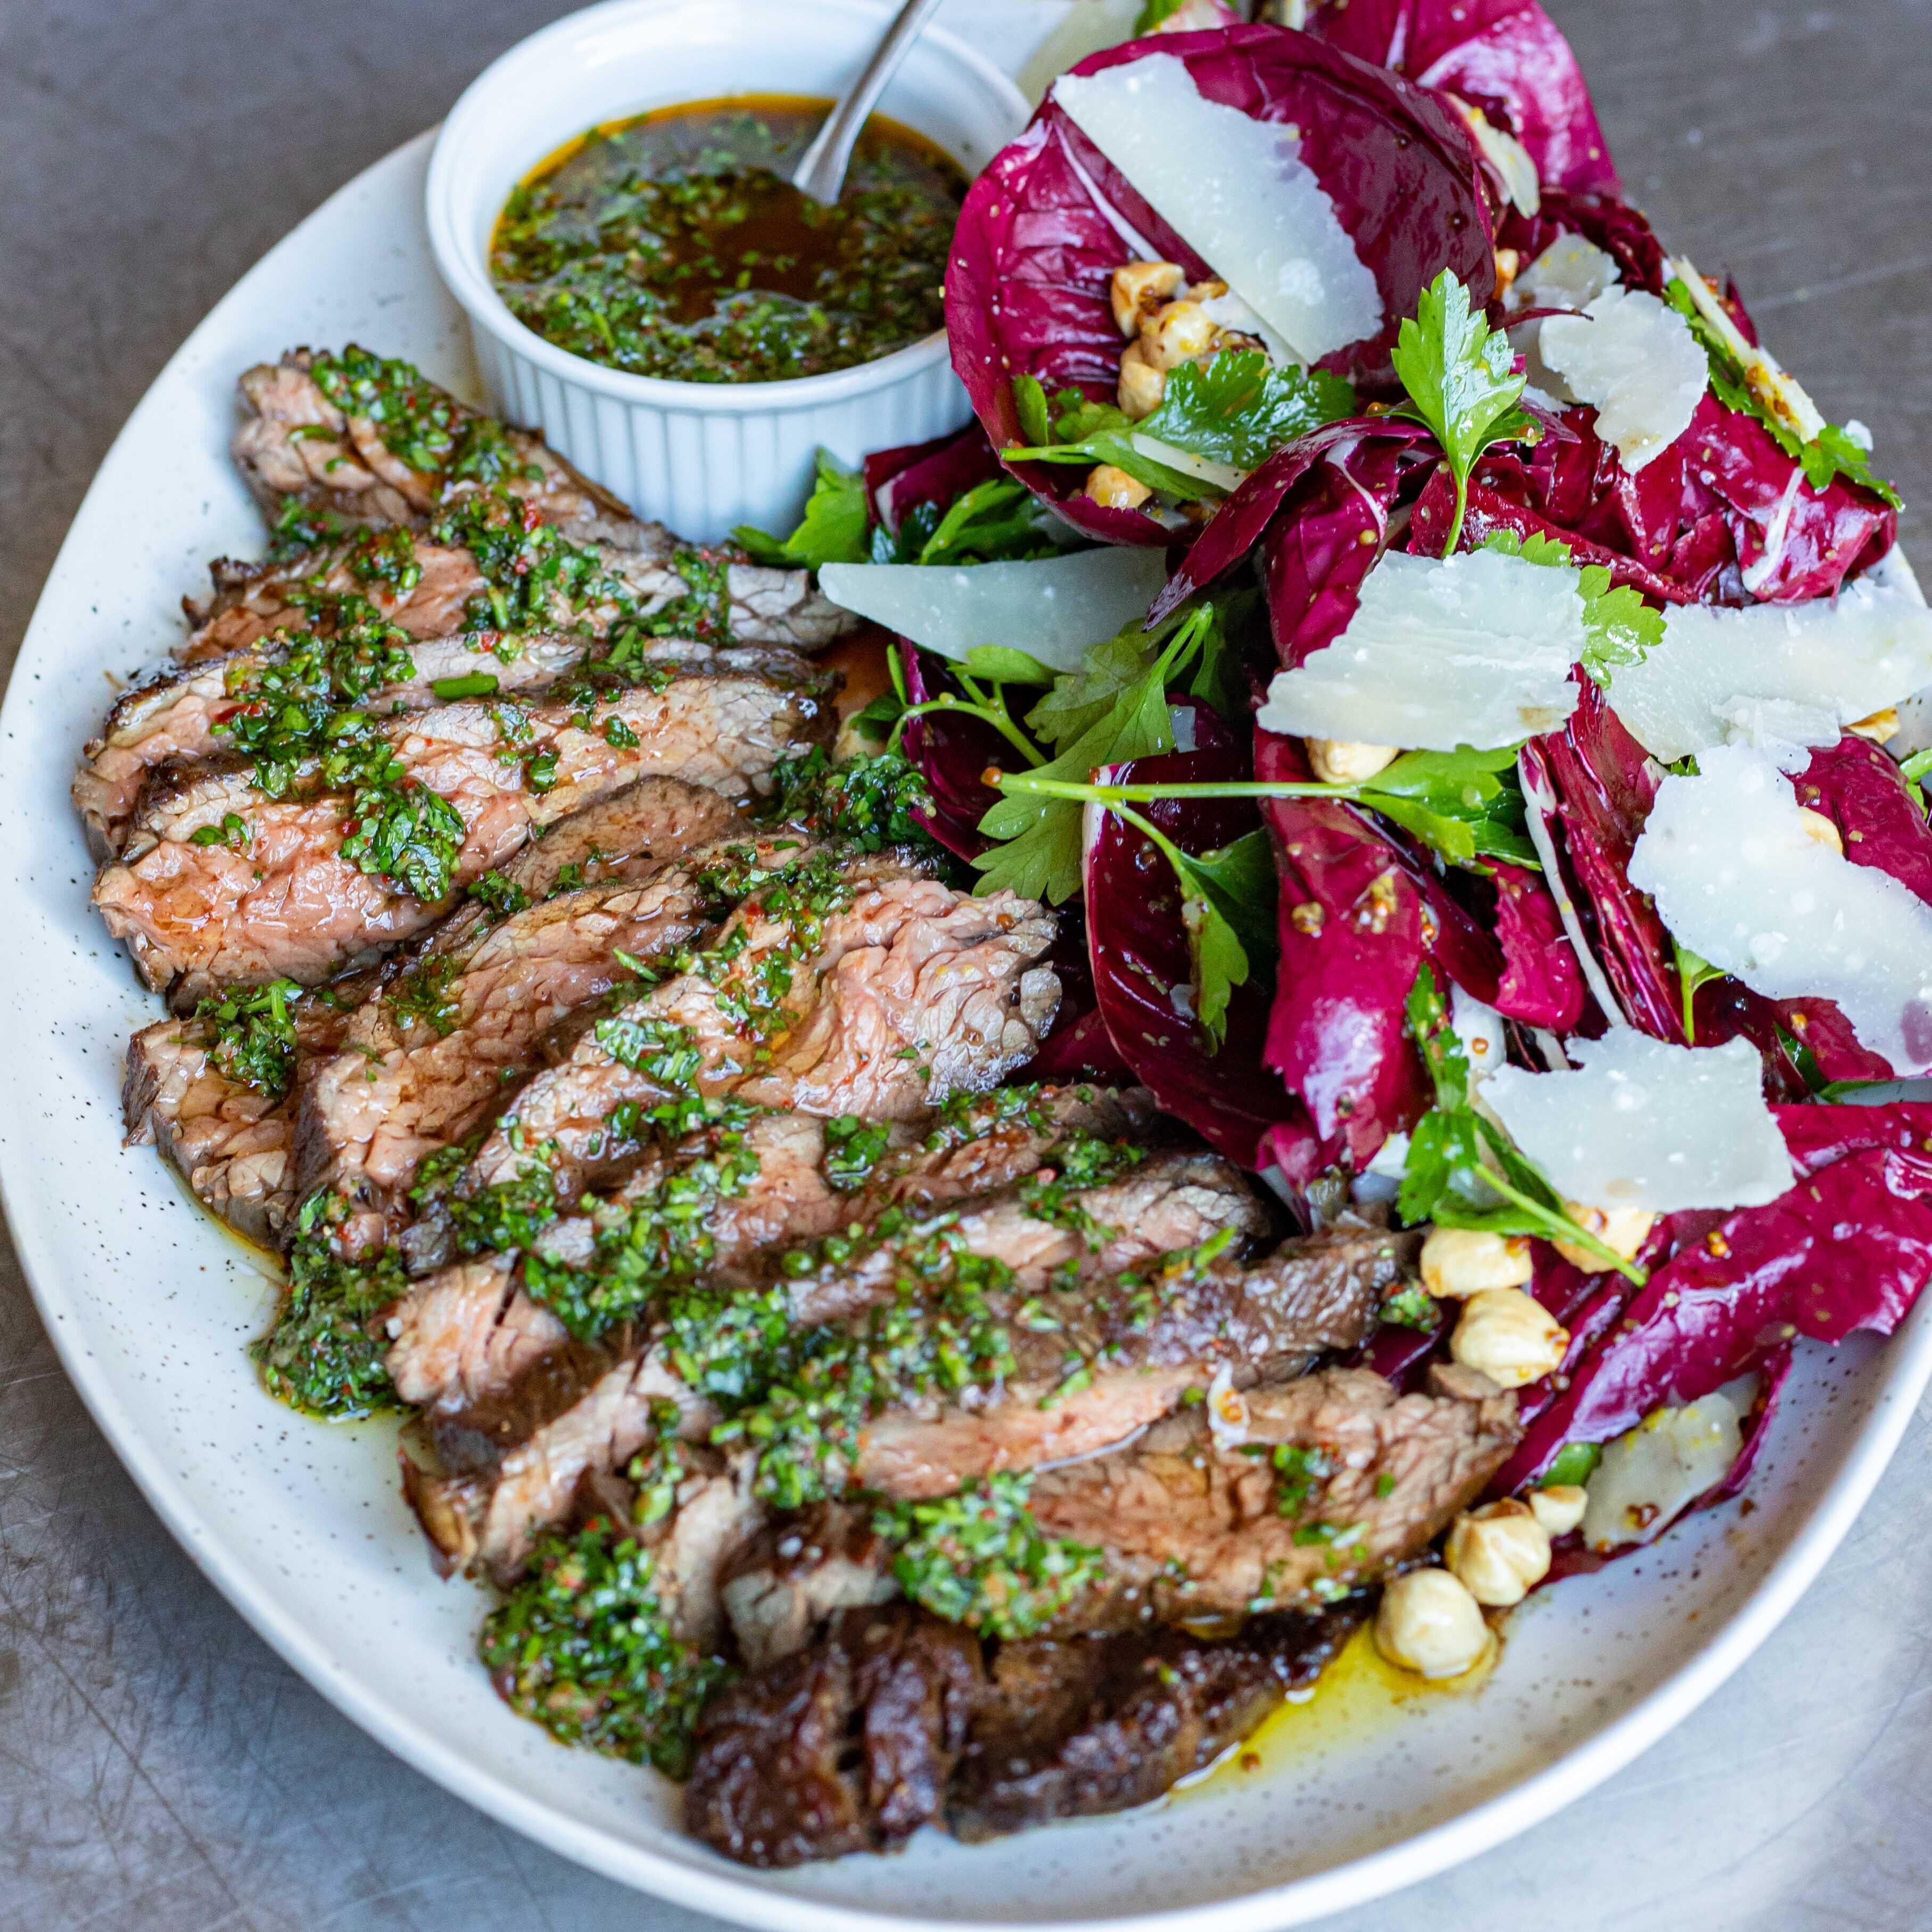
<point>294,441</point>
<point>176,716</point>
<point>433,1056</point>
<point>457,1341</point>
<point>847,1746</point>
<point>782,1585</point>
<point>1078,1729</point>
<point>231,1142</point>
<point>1197,1531</point>
<point>1089,1370</point>
<point>200,917</point>
<point>234,1144</point>
<point>900,993</point>
<point>492,1475</point>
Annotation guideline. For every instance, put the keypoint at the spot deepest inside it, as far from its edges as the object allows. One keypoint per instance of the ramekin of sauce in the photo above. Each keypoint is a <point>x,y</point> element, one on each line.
<point>609,204</point>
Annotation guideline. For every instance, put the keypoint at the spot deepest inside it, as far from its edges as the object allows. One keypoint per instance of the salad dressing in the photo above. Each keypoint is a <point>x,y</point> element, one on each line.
<point>674,245</point>
<point>1354,1701</point>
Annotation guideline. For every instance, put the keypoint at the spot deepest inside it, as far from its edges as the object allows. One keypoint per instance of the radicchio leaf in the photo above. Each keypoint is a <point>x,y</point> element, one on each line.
<point>1141,970</point>
<point>951,752</point>
<point>1504,56</point>
<point>1045,227</point>
<point>1849,1247</point>
<point>939,472</point>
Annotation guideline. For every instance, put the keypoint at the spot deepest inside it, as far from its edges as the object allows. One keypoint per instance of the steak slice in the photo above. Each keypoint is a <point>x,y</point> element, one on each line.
<point>463,1335</point>
<point>1198,1531</point>
<point>1078,1729</point>
<point>200,917</point>
<point>234,1144</point>
<point>490,1476</point>
<point>432,1056</point>
<point>174,717</point>
<point>896,1719</point>
<point>866,988</point>
<point>1088,1372</point>
<point>294,441</point>
<point>847,1746</point>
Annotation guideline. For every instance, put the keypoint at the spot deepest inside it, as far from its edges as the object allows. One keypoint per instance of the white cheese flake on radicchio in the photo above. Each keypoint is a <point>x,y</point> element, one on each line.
<point>1472,649</point>
<point>1237,192</point>
<point>1644,1123</point>
<point>1739,878</point>
<point>1633,359</point>
<point>1052,606</point>
<point>1832,662</point>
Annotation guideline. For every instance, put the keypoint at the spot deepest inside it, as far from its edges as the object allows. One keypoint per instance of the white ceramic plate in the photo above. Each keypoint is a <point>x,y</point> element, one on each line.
<point>302,1527</point>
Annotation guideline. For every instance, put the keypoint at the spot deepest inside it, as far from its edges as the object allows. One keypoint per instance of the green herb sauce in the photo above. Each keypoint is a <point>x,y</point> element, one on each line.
<point>675,246</point>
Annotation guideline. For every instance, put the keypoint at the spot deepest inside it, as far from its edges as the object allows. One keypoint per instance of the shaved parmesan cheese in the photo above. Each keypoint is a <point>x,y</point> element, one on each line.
<point>1831,662</point>
<point>1648,1478</point>
<point>1237,190</point>
<point>1202,469</point>
<point>1737,879</point>
<point>1633,359</point>
<point>1054,607</point>
<point>1472,649</point>
<point>1570,273</point>
<point>1507,156</point>
<point>1643,1123</point>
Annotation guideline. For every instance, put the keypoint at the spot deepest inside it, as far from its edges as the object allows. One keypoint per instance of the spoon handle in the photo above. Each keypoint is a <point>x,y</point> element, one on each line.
<point>821,173</point>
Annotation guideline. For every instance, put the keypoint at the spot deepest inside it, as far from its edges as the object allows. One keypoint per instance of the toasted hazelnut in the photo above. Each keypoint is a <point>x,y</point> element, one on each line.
<point>1114,489</point>
<point>1177,334</point>
<point>1211,290</point>
<point>1560,1507</point>
<point>1881,728</point>
<point>1142,385</point>
<point>1429,1623</point>
<point>1457,1262</point>
<point>1622,1230</point>
<point>1342,761</point>
<point>1139,290</point>
<point>1498,1552</point>
<point>1509,1336</point>
<point>1820,830</point>
<point>1508,262</point>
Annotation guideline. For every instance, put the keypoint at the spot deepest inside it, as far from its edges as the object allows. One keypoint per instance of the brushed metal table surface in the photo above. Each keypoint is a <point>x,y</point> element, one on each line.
<point>160,1770</point>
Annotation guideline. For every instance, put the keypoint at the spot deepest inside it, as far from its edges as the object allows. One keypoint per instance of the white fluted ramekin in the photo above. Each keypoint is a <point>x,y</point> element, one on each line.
<point>700,456</point>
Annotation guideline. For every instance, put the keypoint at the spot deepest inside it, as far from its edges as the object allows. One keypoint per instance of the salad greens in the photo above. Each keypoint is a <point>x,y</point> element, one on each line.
<point>1463,383</point>
<point>1234,409</point>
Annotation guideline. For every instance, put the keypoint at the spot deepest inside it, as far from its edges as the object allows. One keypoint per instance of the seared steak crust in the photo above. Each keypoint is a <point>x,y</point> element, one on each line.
<point>896,1719</point>
<point>1099,1724</point>
<point>847,1746</point>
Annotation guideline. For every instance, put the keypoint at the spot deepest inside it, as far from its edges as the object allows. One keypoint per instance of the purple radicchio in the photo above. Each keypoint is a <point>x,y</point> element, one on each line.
<point>1050,220</point>
<point>1142,973</point>
<point>1849,1247</point>
<point>939,472</point>
<point>1504,56</point>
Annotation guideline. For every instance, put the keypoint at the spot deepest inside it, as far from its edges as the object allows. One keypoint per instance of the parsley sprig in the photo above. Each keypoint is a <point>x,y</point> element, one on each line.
<point>1463,383</point>
<point>1234,408</point>
<point>1447,1178</point>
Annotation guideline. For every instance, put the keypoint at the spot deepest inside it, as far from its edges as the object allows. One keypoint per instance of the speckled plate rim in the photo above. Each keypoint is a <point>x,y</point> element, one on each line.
<point>1901,1374</point>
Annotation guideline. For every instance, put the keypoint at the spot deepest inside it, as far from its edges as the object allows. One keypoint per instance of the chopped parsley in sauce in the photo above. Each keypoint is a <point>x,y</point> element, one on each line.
<point>675,246</point>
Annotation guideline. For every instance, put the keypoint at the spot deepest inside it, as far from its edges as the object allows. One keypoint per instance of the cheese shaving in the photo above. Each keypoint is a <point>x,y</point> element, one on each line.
<point>1633,359</point>
<point>1472,649</point>
<point>1738,878</point>
<point>1810,669</point>
<point>1644,1123</point>
<point>1237,190</point>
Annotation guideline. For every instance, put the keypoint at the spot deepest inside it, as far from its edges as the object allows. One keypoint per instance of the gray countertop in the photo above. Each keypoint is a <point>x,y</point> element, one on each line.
<point>159,1767</point>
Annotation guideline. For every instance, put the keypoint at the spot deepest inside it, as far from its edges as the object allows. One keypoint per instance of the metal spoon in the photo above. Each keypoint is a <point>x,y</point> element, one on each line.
<point>821,173</point>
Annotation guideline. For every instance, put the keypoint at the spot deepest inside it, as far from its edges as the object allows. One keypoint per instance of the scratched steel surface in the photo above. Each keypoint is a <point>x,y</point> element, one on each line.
<point>159,1769</point>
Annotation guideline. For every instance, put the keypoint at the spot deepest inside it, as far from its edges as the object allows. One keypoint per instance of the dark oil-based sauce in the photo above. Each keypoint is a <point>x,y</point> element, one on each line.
<point>675,245</point>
